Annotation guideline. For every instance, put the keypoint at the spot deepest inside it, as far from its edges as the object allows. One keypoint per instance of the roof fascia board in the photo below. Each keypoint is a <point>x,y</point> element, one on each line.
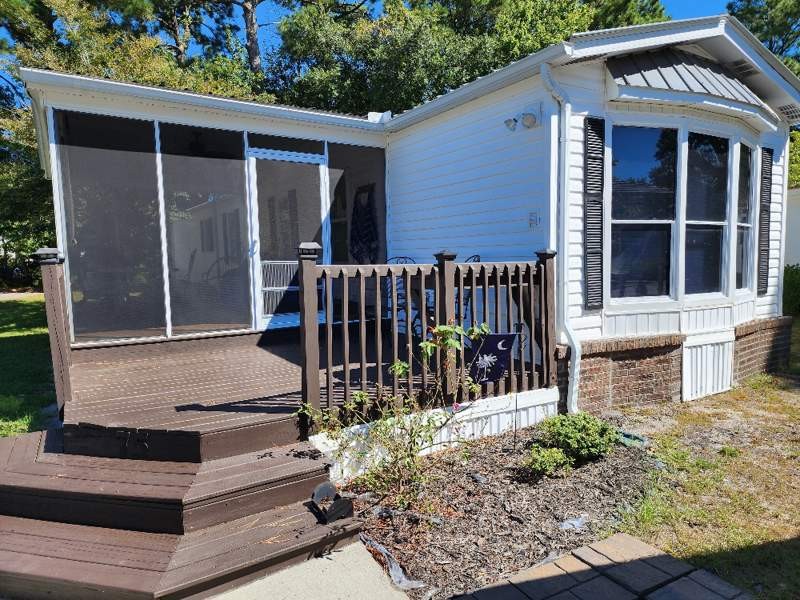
<point>759,118</point>
<point>763,59</point>
<point>641,37</point>
<point>36,78</point>
<point>513,73</point>
<point>40,126</point>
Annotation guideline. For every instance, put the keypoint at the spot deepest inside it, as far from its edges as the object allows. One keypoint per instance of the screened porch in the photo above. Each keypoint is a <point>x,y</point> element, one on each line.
<point>173,231</point>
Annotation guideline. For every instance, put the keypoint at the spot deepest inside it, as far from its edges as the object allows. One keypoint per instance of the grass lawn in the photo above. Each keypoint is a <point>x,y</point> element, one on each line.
<point>728,496</point>
<point>27,379</point>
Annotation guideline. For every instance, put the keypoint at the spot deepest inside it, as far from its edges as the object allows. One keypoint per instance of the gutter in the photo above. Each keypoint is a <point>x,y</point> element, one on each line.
<point>565,105</point>
<point>517,71</point>
<point>40,79</point>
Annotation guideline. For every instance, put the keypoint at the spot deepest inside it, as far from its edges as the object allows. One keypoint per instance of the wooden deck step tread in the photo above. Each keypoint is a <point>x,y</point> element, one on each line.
<point>41,559</point>
<point>38,481</point>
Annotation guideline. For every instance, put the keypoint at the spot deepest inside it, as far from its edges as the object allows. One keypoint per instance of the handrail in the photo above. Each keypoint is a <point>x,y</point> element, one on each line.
<point>375,315</point>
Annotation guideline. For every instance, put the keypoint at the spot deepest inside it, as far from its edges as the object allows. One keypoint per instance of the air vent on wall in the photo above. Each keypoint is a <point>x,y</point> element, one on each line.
<point>741,68</point>
<point>791,112</point>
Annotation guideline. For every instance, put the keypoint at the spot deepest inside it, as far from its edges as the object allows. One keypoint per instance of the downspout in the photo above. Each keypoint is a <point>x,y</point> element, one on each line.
<point>561,97</point>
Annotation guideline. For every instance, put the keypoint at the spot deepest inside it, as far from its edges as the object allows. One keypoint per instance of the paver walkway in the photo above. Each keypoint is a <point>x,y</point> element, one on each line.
<point>618,568</point>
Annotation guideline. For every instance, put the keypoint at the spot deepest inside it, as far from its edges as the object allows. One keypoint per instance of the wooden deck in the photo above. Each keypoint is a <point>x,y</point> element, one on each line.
<point>194,400</point>
<point>184,400</point>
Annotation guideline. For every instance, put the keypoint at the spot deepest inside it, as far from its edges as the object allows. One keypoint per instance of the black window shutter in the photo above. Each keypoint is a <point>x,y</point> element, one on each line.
<point>593,167</point>
<point>764,202</point>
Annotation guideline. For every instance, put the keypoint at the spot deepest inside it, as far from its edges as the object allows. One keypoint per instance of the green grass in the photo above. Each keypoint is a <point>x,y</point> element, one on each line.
<point>26,385</point>
<point>726,496</point>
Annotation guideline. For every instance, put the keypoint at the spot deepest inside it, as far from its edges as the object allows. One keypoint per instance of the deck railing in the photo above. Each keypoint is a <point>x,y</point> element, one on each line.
<point>375,315</point>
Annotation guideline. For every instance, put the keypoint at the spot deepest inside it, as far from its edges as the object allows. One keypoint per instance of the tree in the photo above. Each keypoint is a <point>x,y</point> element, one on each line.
<point>410,53</point>
<point>775,22</point>
<point>621,13</point>
<point>206,23</point>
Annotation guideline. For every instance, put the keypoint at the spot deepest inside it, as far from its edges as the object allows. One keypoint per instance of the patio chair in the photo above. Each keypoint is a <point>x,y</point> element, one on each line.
<point>402,294</point>
<point>475,258</point>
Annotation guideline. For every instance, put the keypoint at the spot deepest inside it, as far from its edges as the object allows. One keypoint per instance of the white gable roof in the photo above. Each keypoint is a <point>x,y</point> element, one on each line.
<point>722,37</point>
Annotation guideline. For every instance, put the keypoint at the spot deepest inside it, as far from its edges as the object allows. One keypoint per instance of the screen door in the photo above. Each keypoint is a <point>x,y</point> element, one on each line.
<point>289,196</point>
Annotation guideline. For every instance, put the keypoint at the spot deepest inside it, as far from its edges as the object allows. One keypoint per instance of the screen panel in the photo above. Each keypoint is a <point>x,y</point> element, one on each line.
<point>207,233</point>
<point>358,215</point>
<point>113,238</point>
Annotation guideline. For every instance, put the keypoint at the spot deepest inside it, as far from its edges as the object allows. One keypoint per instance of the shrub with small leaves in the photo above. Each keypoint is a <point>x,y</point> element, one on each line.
<point>581,436</point>
<point>546,462</point>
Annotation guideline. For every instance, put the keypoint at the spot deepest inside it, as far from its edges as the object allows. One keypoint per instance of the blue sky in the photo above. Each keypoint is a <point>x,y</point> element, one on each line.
<point>686,9</point>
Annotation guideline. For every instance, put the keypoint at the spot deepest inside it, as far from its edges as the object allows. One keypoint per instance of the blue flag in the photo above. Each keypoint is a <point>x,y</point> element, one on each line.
<point>490,357</point>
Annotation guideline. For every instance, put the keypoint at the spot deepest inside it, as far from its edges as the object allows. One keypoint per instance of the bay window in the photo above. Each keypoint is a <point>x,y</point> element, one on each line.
<point>652,215</point>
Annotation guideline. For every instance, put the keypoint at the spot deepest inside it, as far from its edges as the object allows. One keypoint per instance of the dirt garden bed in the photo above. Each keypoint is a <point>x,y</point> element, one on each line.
<point>479,520</point>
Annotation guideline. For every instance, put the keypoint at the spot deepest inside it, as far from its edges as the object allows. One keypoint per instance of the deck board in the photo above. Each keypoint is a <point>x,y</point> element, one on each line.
<point>201,386</point>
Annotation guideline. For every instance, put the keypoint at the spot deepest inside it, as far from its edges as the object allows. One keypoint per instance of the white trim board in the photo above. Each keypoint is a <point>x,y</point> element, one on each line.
<point>474,420</point>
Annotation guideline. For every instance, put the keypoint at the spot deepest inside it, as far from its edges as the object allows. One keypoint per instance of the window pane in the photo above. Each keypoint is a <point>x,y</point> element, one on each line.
<point>207,238</point>
<point>113,241</point>
<point>640,260</point>
<point>745,182</point>
<point>643,173</point>
<point>707,188</point>
<point>743,258</point>
<point>703,259</point>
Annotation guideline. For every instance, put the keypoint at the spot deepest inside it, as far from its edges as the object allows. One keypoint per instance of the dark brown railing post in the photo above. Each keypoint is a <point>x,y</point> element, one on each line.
<point>548,314</point>
<point>55,298</point>
<point>308,253</point>
<point>446,262</point>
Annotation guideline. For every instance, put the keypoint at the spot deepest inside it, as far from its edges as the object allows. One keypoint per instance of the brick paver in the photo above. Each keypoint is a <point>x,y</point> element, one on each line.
<point>618,568</point>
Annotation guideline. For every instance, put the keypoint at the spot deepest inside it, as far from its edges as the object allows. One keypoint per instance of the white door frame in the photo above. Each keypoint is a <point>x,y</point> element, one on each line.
<point>261,320</point>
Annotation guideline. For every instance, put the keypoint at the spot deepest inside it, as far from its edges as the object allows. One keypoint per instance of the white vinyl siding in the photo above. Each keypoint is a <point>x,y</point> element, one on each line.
<point>462,181</point>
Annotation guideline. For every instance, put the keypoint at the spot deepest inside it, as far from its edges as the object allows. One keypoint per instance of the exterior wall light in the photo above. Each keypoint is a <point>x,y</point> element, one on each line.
<point>528,120</point>
<point>511,124</point>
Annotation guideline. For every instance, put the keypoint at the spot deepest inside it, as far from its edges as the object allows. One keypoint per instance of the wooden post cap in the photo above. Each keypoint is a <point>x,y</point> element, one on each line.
<point>544,254</point>
<point>48,256</point>
<point>309,250</point>
<point>444,255</point>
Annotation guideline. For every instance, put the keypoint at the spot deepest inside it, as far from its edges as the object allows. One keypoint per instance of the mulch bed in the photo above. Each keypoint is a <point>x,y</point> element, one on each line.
<point>478,521</point>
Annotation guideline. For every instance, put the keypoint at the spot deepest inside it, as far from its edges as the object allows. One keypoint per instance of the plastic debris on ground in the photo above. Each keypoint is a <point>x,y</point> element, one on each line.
<point>396,572</point>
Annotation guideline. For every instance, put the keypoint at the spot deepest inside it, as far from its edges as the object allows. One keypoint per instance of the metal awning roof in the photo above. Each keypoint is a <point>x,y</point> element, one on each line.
<point>680,71</point>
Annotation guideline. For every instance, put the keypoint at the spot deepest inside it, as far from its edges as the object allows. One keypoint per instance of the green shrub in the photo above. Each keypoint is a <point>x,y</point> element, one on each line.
<point>791,290</point>
<point>543,462</point>
<point>581,436</point>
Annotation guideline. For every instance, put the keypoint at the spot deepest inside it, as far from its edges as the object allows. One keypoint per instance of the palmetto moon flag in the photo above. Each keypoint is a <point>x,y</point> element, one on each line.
<point>490,357</point>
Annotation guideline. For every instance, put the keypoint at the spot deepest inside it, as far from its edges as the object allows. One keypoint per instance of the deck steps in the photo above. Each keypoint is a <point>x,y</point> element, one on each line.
<point>41,559</point>
<point>37,480</point>
<point>202,436</point>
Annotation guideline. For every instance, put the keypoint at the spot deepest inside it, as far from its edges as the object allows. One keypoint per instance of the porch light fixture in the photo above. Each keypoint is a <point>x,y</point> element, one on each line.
<point>511,123</point>
<point>528,120</point>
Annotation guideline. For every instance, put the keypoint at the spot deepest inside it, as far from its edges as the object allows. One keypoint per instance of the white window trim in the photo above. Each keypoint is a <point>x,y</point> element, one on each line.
<point>677,299</point>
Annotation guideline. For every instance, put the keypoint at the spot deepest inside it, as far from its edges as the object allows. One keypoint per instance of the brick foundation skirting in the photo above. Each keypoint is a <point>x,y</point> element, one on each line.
<point>619,372</point>
<point>761,346</point>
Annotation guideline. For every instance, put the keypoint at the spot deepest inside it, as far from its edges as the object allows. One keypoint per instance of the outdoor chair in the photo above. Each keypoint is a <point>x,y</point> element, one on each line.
<point>465,313</point>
